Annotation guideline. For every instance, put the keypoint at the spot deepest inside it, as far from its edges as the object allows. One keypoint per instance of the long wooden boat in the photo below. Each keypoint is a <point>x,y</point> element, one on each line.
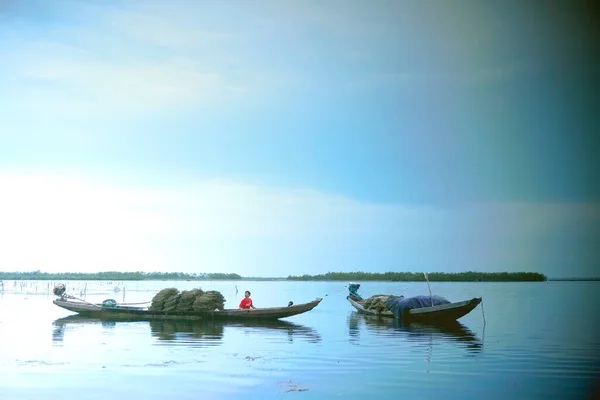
<point>143,313</point>
<point>444,312</point>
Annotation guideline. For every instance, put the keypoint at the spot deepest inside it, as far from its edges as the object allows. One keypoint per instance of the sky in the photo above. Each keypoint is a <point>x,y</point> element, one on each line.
<point>271,138</point>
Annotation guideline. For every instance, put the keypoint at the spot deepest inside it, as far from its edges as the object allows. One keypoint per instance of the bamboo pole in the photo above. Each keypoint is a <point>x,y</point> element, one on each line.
<point>429,287</point>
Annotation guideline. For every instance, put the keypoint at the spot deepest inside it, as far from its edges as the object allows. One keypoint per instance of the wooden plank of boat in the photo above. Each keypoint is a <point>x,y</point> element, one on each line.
<point>127,312</point>
<point>444,312</point>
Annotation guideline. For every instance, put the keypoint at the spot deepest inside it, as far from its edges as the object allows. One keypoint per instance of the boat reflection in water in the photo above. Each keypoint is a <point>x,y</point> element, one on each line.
<point>76,323</point>
<point>415,332</point>
<point>175,330</point>
<point>189,333</point>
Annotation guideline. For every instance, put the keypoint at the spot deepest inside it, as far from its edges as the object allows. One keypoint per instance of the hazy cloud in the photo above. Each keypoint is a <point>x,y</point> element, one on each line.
<point>58,223</point>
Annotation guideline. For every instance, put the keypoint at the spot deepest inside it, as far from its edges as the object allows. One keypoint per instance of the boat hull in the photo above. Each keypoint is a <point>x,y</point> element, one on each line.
<point>444,312</point>
<point>140,313</point>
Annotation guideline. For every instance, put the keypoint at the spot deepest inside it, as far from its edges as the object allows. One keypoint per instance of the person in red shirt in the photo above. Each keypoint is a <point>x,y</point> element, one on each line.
<point>246,301</point>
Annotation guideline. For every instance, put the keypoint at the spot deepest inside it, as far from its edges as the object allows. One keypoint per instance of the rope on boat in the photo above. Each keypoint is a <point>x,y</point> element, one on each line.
<point>68,296</point>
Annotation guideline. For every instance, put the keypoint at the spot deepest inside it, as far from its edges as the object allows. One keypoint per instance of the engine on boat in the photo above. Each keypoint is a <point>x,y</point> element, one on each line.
<point>110,303</point>
<point>59,289</point>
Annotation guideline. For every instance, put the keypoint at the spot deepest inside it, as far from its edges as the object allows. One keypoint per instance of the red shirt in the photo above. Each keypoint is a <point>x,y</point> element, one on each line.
<point>246,303</point>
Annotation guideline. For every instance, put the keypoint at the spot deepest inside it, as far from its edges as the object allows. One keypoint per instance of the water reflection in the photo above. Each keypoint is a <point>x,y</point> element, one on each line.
<point>290,329</point>
<point>417,332</point>
<point>187,332</point>
<point>191,333</point>
<point>59,326</point>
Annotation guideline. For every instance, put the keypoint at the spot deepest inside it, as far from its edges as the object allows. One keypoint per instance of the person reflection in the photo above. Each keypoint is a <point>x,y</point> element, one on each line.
<point>354,328</point>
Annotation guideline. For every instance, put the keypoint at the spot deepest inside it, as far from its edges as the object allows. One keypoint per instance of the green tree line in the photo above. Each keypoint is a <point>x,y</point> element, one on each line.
<point>116,276</point>
<point>468,276</point>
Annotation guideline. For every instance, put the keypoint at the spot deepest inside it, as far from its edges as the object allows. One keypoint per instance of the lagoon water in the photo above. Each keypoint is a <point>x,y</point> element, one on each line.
<point>528,341</point>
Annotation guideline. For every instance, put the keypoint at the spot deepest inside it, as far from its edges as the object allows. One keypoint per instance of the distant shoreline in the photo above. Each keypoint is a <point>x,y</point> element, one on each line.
<point>296,280</point>
<point>574,279</point>
<point>468,276</point>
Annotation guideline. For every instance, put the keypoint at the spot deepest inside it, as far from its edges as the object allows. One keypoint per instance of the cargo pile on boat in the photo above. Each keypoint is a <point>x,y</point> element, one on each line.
<point>378,302</point>
<point>171,300</point>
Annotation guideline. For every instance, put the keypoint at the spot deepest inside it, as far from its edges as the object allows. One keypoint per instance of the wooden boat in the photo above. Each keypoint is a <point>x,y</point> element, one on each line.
<point>444,312</point>
<point>116,311</point>
<point>436,313</point>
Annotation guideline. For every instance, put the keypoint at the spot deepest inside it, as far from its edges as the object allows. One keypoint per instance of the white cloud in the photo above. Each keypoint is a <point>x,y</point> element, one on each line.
<point>78,82</point>
<point>170,31</point>
<point>71,224</point>
<point>57,223</point>
<point>136,86</point>
<point>119,63</point>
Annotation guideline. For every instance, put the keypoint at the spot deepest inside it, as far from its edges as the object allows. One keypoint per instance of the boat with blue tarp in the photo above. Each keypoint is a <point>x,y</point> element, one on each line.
<point>417,308</point>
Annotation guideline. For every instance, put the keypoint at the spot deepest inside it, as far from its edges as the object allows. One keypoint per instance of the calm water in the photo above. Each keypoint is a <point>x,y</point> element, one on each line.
<point>538,342</point>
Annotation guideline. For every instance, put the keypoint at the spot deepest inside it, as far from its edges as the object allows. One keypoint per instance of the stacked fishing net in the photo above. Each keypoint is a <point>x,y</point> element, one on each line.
<point>209,301</point>
<point>171,300</point>
<point>158,301</point>
<point>171,303</point>
<point>378,302</point>
<point>186,301</point>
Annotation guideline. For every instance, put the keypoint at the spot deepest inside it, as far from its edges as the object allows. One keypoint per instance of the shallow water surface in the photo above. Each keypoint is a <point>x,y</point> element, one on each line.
<point>526,341</point>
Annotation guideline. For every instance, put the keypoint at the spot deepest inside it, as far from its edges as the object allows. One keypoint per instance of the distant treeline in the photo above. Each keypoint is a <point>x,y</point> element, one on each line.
<point>116,276</point>
<point>330,276</point>
<point>418,277</point>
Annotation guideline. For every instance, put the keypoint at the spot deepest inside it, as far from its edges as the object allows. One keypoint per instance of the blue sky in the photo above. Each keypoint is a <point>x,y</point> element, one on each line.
<point>272,138</point>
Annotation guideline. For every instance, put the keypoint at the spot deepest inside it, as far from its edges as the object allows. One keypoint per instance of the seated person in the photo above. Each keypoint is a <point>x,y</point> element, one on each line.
<point>246,301</point>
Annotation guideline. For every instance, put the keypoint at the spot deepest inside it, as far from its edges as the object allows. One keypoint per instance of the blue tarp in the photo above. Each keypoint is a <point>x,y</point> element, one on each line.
<point>398,305</point>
